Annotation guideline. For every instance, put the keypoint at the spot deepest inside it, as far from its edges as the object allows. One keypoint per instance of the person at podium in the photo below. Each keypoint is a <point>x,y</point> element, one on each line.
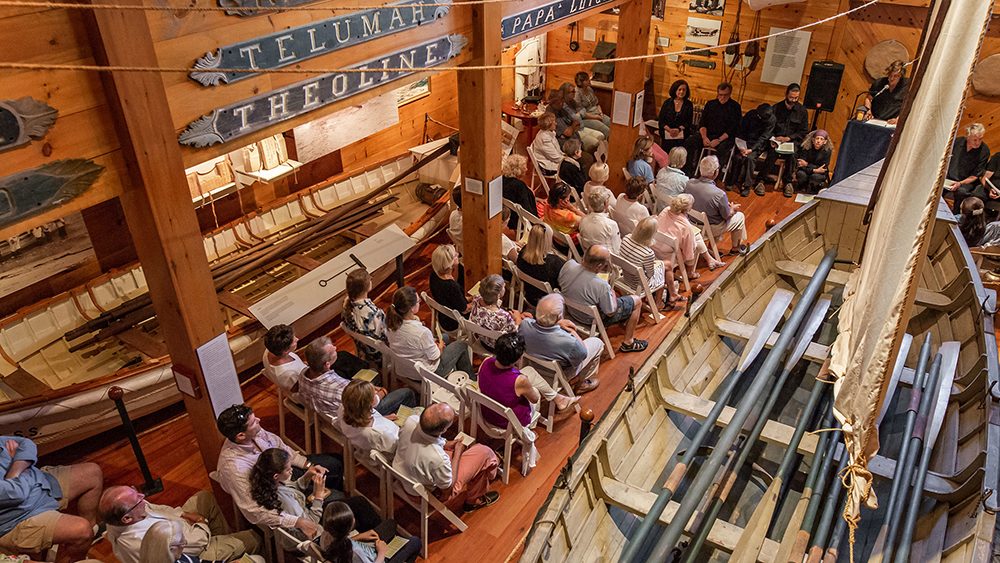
<point>885,97</point>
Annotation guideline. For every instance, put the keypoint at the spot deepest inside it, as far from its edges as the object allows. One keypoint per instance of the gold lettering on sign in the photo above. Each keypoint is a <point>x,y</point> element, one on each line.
<point>249,52</point>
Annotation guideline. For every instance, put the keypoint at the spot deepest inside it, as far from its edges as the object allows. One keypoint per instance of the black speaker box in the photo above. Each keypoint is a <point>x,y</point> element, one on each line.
<point>823,86</point>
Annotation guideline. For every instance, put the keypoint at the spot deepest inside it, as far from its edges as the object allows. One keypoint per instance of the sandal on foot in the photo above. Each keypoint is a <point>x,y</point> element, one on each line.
<point>569,404</point>
<point>694,276</point>
<point>489,498</point>
<point>636,346</point>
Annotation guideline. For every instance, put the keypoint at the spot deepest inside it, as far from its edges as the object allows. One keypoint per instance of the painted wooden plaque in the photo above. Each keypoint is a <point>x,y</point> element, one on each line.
<point>294,45</point>
<point>516,24</point>
<point>253,114</point>
<point>34,191</point>
<point>22,120</point>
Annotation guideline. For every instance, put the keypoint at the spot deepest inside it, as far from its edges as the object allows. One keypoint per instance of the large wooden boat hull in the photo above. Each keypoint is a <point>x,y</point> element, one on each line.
<point>615,475</point>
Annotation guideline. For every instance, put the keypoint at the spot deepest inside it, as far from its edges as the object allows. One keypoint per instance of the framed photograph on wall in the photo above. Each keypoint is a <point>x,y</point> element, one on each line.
<point>413,91</point>
<point>707,7</point>
<point>703,32</point>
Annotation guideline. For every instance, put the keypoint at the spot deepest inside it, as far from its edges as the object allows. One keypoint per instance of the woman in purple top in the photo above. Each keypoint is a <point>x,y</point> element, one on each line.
<point>500,380</point>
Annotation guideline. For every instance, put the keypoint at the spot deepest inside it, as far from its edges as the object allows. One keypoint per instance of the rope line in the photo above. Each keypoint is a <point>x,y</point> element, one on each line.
<point>185,70</point>
<point>229,9</point>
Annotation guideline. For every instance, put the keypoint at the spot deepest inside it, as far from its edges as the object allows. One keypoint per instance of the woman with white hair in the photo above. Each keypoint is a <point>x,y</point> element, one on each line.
<point>673,221</point>
<point>546,146</point>
<point>599,174</point>
<point>164,543</point>
<point>670,180</point>
<point>448,284</point>
<point>487,312</point>
<point>514,168</point>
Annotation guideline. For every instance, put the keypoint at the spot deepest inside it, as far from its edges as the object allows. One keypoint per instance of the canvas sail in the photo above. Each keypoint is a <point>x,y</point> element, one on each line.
<point>880,293</point>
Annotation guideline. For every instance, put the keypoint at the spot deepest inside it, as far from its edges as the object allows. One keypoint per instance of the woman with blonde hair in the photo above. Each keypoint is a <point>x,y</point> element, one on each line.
<point>538,261</point>
<point>448,284</point>
<point>514,168</point>
<point>674,221</point>
<point>637,249</point>
<point>640,165</point>
<point>411,340</point>
<point>546,146</point>
<point>364,426</point>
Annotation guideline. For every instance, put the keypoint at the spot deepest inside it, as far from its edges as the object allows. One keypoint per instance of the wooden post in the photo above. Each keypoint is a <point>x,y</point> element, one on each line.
<point>479,152</point>
<point>630,78</point>
<point>158,207</point>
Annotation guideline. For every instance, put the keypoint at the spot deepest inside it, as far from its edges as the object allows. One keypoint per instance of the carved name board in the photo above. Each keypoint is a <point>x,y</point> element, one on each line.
<point>534,18</point>
<point>24,119</point>
<point>291,46</point>
<point>230,122</point>
<point>252,7</point>
<point>34,191</point>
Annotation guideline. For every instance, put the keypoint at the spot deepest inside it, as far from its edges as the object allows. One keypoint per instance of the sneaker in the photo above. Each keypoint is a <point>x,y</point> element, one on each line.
<point>489,498</point>
<point>759,188</point>
<point>745,191</point>
<point>789,190</point>
<point>741,250</point>
<point>636,346</point>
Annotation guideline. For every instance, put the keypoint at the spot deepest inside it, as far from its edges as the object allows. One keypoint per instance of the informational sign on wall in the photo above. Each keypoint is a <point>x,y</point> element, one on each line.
<point>785,57</point>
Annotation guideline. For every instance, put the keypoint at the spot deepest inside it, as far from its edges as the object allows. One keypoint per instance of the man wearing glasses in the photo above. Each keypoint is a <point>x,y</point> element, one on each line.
<point>206,532</point>
<point>245,441</point>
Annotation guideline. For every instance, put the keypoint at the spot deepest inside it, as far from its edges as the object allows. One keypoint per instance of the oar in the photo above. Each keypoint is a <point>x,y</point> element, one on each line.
<point>812,509</point>
<point>942,392</point>
<point>772,362</point>
<point>773,313</point>
<point>728,477</point>
<point>833,496</point>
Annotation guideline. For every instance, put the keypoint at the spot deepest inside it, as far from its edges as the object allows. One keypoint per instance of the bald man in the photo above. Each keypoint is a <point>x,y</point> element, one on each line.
<point>454,472</point>
<point>581,283</point>
<point>551,337</point>
<point>206,532</point>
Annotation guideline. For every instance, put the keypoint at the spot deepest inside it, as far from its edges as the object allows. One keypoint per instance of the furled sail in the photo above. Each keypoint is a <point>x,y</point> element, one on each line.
<point>880,293</point>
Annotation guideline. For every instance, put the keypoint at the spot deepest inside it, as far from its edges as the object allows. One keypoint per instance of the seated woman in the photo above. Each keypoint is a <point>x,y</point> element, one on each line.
<point>562,215</point>
<point>569,169</point>
<point>364,426</point>
<point>813,159</point>
<point>337,545</point>
<point>164,543</point>
<point>487,312</point>
<point>538,261</point>
<point>272,487</point>
<point>448,284</point>
<point>519,389</point>
<point>670,180</point>
<point>515,190</point>
<point>411,340</point>
<point>599,174</point>
<point>674,221</point>
<point>548,151</point>
<point>640,165</point>
<point>637,249</point>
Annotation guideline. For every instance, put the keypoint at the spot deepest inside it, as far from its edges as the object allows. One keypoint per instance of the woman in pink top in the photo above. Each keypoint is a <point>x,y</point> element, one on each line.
<point>673,221</point>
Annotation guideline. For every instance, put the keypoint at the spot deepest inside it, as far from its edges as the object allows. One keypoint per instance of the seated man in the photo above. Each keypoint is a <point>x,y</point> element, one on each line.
<point>453,472</point>
<point>755,131</point>
<point>281,364</point>
<point>362,315</point>
<point>597,227</point>
<point>720,120</point>
<point>969,156</point>
<point>32,498</point>
<point>245,440</point>
<point>206,533</point>
<point>791,124</point>
<point>582,284</point>
<point>551,337</point>
<point>709,199</point>
<point>322,387</point>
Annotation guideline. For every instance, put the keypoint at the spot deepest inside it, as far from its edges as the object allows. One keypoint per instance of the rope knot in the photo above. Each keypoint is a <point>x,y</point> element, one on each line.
<point>855,476</point>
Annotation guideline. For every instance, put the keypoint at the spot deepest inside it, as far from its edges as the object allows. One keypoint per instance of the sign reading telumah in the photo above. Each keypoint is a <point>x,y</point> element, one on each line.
<point>534,18</point>
<point>242,118</point>
<point>294,45</point>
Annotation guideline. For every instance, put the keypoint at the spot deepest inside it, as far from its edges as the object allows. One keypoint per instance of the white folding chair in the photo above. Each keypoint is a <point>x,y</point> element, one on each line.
<point>724,171</point>
<point>382,348</point>
<point>596,327</point>
<point>526,220</point>
<point>671,242</point>
<point>476,337</point>
<point>554,374</point>
<point>525,279</point>
<point>287,406</point>
<point>352,454</point>
<point>706,232</point>
<point>515,431</point>
<point>571,250</point>
<point>307,550</point>
<point>513,285</point>
<point>643,288</point>
<point>424,501</point>
<point>402,368</point>
<point>451,390</point>
<point>542,178</point>
<point>439,309</point>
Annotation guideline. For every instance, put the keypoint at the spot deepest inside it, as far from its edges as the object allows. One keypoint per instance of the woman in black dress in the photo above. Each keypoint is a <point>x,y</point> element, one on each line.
<point>676,116</point>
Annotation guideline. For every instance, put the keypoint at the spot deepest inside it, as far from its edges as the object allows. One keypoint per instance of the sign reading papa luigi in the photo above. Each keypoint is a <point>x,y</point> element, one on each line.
<point>242,118</point>
<point>529,20</point>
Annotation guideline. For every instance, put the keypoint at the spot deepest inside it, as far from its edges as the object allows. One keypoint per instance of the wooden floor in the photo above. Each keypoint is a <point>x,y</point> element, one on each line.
<point>495,534</point>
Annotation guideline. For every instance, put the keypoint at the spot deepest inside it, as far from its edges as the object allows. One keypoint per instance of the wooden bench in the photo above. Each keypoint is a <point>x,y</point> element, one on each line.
<point>925,298</point>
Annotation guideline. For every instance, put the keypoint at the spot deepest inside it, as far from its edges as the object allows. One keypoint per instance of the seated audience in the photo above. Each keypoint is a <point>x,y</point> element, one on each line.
<point>454,473</point>
<point>519,389</point>
<point>724,217</point>
<point>791,124</point>
<point>322,387</point>
<point>991,177</point>
<point>674,221</point>
<point>886,95</point>
<point>206,532</point>
<point>597,227</point>
<point>637,250</point>
<point>281,364</point>
<point>245,440</point>
<point>538,261</point>
<point>547,145</point>
<point>599,174</point>
<point>640,165</point>
<point>813,160</point>
<point>486,309</point>
<point>586,100</point>
<point>972,221</point>
<point>569,125</point>
<point>670,180</point>
<point>33,517</point>
<point>515,190</point>
<point>455,219</point>
<point>164,542</point>
<point>720,120</point>
<point>569,169</point>
<point>560,214</point>
<point>447,285</point>
<point>756,130</point>
<point>582,284</point>
<point>411,340</point>
<point>508,246</point>
<point>627,210</point>
<point>551,337</point>
<point>361,422</point>
<point>362,315</point>
<point>273,488</point>
<point>341,519</point>
<point>969,157</point>
<point>676,119</point>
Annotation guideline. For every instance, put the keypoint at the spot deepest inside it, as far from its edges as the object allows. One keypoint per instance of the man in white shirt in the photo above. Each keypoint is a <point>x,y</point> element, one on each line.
<point>281,364</point>
<point>627,209</point>
<point>456,472</point>
<point>206,532</point>
<point>597,227</point>
<point>245,441</point>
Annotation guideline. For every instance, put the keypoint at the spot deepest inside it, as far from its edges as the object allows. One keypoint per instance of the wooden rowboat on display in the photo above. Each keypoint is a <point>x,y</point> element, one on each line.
<point>614,478</point>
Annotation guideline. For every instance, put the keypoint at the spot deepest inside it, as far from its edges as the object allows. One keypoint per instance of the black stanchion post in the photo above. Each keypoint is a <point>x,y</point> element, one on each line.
<point>150,486</point>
